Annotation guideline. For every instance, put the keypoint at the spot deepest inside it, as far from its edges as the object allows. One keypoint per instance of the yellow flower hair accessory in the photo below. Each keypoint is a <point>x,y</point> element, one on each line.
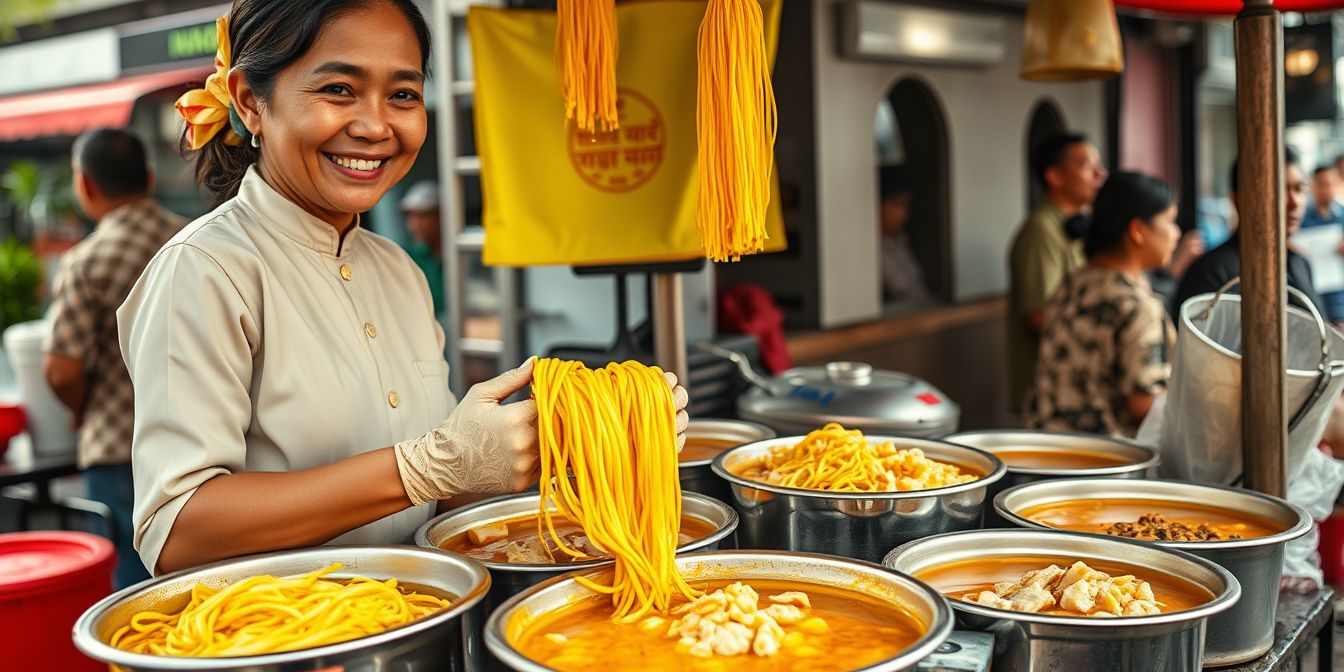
<point>207,110</point>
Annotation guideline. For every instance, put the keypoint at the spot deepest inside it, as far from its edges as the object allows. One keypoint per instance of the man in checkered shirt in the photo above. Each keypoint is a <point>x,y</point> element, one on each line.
<point>83,363</point>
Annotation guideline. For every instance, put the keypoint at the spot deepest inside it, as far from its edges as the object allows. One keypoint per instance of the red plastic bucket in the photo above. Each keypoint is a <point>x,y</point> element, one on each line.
<point>1332,548</point>
<point>47,579</point>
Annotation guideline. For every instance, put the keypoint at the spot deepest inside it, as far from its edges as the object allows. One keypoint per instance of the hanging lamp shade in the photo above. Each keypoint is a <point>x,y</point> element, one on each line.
<point>1071,40</point>
<point>1226,7</point>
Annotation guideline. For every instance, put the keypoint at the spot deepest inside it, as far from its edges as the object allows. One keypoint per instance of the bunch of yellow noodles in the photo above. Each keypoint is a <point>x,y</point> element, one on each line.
<point>608,440</point>
<point>735,129</point>
<point>266,614</point>
<point>736,119</point>
<point>585,52</point>
<point>838,459</point>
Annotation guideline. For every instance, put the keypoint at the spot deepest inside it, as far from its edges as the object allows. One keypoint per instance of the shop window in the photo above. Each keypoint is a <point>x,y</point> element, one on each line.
<point>914,196</point>
<point>1045,120</point>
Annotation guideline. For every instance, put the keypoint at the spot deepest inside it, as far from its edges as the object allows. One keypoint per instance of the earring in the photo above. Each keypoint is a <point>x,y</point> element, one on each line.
<point>256,141</point>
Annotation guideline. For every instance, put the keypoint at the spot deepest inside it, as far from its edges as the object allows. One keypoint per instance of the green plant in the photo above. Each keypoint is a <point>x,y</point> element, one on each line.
<point>20,280</point>
<point>15,13</point>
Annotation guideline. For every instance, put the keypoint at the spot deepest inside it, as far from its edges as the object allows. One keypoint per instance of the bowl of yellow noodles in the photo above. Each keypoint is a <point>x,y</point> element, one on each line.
<point>838,491</point>
<point>328,607</point>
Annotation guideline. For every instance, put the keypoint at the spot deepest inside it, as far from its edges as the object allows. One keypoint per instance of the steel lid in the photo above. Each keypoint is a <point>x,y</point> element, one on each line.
<point>853,394</point>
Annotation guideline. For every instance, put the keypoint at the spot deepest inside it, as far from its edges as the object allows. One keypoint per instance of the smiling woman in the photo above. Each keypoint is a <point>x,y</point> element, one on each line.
<point>290,386</point>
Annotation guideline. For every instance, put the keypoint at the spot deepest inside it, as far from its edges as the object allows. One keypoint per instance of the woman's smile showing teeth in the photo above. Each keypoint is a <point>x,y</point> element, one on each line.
<point>356,167</point>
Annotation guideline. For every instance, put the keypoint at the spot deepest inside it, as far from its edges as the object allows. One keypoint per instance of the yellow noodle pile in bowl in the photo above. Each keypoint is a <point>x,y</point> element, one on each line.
<point>842,460</point>
<point>266,614</point>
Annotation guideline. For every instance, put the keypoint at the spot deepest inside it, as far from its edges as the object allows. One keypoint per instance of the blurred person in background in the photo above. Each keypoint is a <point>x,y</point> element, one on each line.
<point>902,277</point>
<point>1326,211</point>
<point>1339,177</point>
<point>1043,252</point>
<point>1105,349</point>
<point>82,361</point>
<point>1210,272</point>
<point>420,205</point>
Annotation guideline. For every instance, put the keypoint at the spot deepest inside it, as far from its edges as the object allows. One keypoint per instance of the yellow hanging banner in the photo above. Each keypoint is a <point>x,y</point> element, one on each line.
<point>557,195</point>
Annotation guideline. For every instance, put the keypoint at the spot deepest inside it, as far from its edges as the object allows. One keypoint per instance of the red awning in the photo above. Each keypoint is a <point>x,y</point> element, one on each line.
<point>71,111</point>
<point>1208,7</point>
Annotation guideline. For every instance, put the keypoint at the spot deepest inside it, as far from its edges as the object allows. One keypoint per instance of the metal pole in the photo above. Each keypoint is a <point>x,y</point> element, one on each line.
<point>441,24</point>
<point>669,325</point>
<point>1260,203</point>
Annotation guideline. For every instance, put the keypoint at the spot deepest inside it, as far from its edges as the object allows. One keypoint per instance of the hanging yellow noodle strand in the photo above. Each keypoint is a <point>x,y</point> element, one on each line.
<point>608,440</point>
<point>585,53</point>
<point>735,123</point>
<point>265,614</point>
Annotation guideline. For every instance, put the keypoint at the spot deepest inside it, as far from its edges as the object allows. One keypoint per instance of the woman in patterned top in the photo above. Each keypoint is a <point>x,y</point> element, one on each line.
<point>1105,349</point>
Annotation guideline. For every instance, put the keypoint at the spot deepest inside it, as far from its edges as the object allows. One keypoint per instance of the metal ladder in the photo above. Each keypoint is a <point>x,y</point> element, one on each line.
<point>459,241</point>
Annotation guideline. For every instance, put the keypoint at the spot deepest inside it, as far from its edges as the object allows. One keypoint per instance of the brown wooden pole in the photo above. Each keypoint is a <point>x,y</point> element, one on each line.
<point>669,325</point>
<point>1260,205</point>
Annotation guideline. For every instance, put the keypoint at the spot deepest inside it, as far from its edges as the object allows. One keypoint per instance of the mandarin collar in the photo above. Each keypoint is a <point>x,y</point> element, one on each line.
<point>285,216</point>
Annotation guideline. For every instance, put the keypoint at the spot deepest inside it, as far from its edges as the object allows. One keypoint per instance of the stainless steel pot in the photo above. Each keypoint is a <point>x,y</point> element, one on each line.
<point>870,580</point>
<point>1142,460</point>
<point>443,641</point>
<point>853,394</point>
<point>1027,642</point>
<point>860,525</point>
<point>696,475</point>
<point>508,579</point>
<point>1244,632</point>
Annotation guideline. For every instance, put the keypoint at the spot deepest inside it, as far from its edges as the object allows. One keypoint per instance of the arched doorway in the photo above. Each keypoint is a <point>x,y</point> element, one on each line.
<point>910,131</point>
<point>1046,120</point>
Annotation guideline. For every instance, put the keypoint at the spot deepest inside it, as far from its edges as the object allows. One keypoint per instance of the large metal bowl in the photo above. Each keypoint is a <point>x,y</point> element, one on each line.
<point>1141,460</point>
<point>862,525</point>
<point>1244,632</point>
<point>1027,642</point>
<point>508,579</point>
<point>443,641</point>
<point>697,475</point>
<point>870,580</point>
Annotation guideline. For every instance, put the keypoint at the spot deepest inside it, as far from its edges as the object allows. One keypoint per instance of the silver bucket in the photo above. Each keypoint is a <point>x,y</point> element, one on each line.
<point>508,579</point>
<point>1142,460</point>
<point>697,475</point>
<point>448,640</point>
<point>1244,632</point>
<point>862,525</point>
<point>872,581</point>
<point>1028,642</point>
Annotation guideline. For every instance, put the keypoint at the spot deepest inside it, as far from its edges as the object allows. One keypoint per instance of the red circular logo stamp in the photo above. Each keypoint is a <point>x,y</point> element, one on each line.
<point>623,159</point>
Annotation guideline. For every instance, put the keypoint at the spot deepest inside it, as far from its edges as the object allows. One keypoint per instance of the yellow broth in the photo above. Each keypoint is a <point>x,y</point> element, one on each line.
<point>862,631</point>
<point>524,529</point>
<point>1095,515</point>
<point>701,448</point>
<point>970,577</point>
<point>1028,458</point>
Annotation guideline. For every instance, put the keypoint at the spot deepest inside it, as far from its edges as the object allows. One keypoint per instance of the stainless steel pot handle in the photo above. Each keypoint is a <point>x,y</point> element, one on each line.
<point>744,365</point>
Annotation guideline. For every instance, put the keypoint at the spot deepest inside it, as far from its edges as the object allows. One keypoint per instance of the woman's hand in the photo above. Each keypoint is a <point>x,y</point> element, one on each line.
<point>484,447</point>
<point>680,398</point>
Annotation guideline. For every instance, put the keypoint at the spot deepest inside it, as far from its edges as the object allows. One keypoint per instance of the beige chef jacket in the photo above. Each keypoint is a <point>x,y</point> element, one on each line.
<point>258,341</point>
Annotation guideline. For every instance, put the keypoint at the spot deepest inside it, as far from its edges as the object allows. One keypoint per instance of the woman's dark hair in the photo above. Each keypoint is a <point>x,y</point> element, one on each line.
<point>1124,197</point>
<point>266,36</point>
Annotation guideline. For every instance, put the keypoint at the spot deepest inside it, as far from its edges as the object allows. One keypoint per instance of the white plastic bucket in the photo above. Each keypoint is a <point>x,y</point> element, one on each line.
<point>48,419</point>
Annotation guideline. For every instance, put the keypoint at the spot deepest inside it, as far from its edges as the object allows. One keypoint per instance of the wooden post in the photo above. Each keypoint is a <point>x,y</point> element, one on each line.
<point>669,325</point>
<point>1260,205</point>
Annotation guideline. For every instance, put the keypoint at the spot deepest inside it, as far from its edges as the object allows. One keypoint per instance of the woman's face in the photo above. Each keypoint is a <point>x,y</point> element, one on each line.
<point>346,120</point>
<point>1160,237</point>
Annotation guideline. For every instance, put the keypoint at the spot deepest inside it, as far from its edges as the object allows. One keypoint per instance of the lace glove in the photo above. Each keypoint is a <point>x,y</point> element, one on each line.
<point>484,447</point>
<point>679,397</point>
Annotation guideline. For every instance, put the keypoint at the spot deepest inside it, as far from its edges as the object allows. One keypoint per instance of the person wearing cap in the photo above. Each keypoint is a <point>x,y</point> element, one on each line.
<point>420,204</point>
